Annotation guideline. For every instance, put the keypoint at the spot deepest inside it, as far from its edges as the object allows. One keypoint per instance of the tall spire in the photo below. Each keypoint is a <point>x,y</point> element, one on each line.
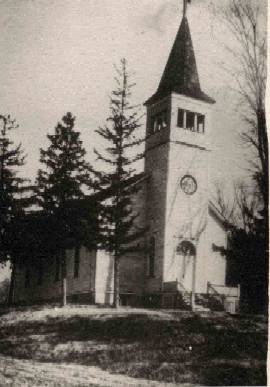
<point>180,74</point>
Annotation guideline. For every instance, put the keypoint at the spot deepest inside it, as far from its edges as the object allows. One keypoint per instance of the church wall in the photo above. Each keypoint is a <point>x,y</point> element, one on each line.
<point>156,165</point>
<point>132,272</point>
<point>202,272</point>
<point>131,276</point>
<point>133,264</point>
<point>86,279</point>
<point>216,263</point>
<point>211,266</point>
<point>50,288</point>
<point>104,278</point>
<point>186,214</point>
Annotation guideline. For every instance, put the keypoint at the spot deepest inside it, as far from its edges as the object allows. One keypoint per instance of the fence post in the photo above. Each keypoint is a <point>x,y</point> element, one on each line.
<point>238,291</point>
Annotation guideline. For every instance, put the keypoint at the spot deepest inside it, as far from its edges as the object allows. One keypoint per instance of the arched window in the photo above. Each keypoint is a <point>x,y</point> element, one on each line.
<point>151,257</point>
<point>186,248</point>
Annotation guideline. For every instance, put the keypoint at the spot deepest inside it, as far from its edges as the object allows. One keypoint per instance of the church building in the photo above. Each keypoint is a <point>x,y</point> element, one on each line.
<point>182,266</point>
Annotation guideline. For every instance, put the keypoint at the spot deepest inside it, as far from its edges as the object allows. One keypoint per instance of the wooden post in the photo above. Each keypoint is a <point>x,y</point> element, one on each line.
<point>10,298</point>
<point>64,292</point>
<point>116,296</point>
<point>64,278</point>
<point>185,120</point>
<point>238,291</point>
<point>195,123</point>
<point>193,293</point>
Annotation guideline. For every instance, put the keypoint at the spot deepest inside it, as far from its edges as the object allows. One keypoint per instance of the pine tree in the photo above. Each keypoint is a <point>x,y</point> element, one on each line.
<point>12,199</point>
<point>60,186</point>
<point>117,227</point>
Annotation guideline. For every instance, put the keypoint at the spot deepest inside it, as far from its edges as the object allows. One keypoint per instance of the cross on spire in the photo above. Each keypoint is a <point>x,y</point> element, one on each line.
<point>185,2</point>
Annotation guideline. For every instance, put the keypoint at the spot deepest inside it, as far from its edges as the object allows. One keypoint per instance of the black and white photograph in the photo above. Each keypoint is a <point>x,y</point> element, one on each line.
<point>134,191</point>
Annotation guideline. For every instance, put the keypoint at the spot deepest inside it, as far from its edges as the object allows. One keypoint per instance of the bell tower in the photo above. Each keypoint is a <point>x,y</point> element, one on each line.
<point>178,130</point>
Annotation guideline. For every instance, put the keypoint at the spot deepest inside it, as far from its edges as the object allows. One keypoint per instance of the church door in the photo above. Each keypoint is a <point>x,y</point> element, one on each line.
<point>186,253</point>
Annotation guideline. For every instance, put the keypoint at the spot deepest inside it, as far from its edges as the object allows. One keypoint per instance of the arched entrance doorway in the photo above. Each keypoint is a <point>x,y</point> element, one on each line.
<point>186,252</point>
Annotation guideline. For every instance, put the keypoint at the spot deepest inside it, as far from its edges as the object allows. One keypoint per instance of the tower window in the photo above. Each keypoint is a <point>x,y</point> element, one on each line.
<point>151,257</point>
<point>180,118</point>
<point>200,123</point>
<point>190,121</point>
<point>195,122</point>
<point>159,121</point>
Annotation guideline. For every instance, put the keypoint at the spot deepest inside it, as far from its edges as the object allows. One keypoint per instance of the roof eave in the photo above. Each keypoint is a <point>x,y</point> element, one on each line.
<point>199,97</point>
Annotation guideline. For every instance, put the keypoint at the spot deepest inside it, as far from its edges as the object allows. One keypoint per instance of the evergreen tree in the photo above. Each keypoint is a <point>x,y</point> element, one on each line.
<point>117,225</point>
<point>60,186</point>
<point>12,199</point>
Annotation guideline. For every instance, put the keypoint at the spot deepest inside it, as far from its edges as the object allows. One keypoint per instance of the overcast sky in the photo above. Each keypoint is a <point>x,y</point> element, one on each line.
<point>58,56</point>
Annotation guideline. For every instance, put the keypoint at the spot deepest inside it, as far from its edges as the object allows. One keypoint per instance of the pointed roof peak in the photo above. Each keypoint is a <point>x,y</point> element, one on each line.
<point>180,74</point>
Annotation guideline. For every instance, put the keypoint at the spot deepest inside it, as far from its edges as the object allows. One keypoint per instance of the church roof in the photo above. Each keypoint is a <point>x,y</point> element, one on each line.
<point>180,74</point>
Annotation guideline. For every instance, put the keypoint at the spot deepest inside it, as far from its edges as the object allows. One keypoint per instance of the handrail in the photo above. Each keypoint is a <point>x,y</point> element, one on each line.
<point>210,286</point>
<point>216,293</point>
<point>228,291</point>
<point>182,286</point>
<point>219,286</point>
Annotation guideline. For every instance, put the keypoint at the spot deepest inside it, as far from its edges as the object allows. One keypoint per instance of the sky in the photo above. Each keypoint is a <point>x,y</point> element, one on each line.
<point>59,56</point>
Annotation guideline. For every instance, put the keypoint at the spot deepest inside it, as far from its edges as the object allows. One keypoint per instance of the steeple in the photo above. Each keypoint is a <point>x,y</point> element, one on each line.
<point>180,74</point>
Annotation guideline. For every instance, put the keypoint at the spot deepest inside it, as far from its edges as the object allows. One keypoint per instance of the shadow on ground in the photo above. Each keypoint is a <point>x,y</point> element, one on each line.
<point>195,349</point>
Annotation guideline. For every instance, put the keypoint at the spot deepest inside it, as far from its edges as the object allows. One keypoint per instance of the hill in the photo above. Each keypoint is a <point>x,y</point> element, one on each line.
<point>78,346</point>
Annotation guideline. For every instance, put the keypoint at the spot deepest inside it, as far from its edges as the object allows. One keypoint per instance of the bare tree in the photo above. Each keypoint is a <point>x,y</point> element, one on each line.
<point>246,252</point>
<point>247,22</point>
<point>240,210</point>
<point>225,206</point>
<point>246,208</point>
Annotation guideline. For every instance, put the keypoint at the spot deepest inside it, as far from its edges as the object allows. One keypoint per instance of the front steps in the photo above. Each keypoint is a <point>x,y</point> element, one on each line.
<point>218,298</point>
<point>182,300</point>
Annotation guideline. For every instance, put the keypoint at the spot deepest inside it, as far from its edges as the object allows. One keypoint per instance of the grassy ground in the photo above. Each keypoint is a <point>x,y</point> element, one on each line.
<point>167,347</point>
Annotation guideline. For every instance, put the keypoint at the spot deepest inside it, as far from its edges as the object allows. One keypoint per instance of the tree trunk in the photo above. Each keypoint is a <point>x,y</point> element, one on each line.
<point>263,155</point>
<point>64,278</point>
<point>116,298</point>
<point>10,299</point>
